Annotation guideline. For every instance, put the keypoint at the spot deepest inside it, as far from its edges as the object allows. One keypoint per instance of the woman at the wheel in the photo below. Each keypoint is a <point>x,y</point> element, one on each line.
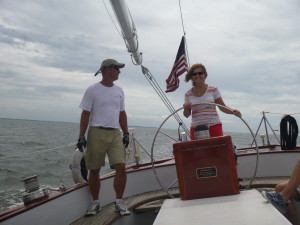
<point>204,114</point>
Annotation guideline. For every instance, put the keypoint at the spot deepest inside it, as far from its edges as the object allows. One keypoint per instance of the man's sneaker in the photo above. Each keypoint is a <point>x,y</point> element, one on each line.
<point>276,200</point>
<point>122,209</point>
<point>93,209</point>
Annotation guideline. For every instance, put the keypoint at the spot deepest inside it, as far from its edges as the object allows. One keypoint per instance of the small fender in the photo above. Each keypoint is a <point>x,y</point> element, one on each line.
<point>79,171</point>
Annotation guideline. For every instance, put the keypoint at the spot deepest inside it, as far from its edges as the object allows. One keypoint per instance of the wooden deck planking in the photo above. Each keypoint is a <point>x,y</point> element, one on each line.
<point>108,215</point>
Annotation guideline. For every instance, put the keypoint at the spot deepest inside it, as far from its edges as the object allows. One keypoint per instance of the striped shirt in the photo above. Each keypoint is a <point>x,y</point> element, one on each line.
<point>204,114</point>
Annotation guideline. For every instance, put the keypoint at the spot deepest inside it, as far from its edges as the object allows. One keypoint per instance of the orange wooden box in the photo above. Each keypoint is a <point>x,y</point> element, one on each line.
<point>206,168</point>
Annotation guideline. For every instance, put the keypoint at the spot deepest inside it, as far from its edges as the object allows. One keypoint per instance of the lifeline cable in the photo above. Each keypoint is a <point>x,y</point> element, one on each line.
<point>39,151</point>
<point>288,133</point>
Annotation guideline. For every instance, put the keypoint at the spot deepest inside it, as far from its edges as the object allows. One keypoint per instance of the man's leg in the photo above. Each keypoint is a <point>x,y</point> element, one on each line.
<point>290,190</point>
<point>119,185</point>
<point>120,180</point>
<point>94,183</point>
<point>94,186</point>
<point>279,187</point>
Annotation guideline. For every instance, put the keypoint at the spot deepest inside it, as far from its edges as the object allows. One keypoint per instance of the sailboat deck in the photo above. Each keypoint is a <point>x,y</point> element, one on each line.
<point>108,215</point>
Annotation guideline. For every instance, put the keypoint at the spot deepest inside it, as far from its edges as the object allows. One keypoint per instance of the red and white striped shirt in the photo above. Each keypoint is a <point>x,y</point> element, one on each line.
<point>204,114</point>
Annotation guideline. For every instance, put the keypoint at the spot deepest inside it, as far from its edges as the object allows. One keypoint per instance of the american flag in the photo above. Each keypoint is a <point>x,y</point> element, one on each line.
<point>180,66</point>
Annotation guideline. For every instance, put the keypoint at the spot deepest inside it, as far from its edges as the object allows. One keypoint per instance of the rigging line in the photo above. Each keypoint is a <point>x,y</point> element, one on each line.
<point>143,147</point>
<point>162,95</point>
<point>134,33</point>
<point>171,109</point>
<point>181,19</point>
<point>111,18</point>
<point>284,113</point>
<point>158,89</point>
<point>44,186</point>
<point>184,33</point>
<point>133,25</point>
<point>56,175</point>
<point>136,37</point>
<point>39,151</point>
<point>12,195</point>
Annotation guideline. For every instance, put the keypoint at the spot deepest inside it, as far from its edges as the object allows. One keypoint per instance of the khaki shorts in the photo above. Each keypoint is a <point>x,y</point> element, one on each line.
<point>101,142</point>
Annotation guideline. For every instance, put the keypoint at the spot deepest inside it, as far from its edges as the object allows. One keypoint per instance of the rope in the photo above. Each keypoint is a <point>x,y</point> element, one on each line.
<point>184,33</point>
<point>163,97</point>
<point>288,133</point>
<point>181,19</point>
<point>284,113</point>
<point>112,19</point>
<point>18,187</point>
<point>133,35</point>
<point>39,151</point>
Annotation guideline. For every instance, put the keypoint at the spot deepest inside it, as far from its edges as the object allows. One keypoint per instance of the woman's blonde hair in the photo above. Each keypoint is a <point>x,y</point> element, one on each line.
<point>188,76</point>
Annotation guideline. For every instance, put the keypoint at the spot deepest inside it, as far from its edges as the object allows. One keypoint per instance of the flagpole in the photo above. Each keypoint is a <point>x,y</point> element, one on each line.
<point>184,34</point>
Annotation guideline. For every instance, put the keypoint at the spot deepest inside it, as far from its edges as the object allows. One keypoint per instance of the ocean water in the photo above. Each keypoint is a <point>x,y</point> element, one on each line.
<point>45,149</point>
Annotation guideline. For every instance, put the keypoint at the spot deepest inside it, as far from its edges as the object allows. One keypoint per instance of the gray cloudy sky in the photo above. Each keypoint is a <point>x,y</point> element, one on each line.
<point>50,50</point>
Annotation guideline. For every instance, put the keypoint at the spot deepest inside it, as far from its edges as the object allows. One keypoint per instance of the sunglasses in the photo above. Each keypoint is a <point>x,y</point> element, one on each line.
<point>198,73</point>
<point>115,67</point>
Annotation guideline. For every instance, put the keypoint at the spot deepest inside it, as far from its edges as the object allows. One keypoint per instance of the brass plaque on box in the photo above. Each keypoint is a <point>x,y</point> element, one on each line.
<point>206,172</point>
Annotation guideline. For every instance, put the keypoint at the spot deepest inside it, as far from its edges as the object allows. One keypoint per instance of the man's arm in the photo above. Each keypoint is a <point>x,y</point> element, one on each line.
<point>84,122</point>
<point>123,121</point>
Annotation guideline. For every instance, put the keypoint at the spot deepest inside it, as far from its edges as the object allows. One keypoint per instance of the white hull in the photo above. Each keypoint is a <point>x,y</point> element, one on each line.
<point>71,205</point>
<point>271,164</point>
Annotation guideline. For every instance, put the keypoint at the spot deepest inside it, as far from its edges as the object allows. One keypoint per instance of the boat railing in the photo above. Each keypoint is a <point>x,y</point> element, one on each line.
<point>19,190</point>
<point>287,129</point>
<point>134,150</point>
<point>40,151</point>
<point>266,122</point>
<point>16,191</point>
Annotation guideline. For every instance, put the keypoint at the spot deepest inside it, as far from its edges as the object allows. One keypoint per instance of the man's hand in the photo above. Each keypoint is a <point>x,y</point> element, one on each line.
<point>126,139</point>
<point>81,144</point>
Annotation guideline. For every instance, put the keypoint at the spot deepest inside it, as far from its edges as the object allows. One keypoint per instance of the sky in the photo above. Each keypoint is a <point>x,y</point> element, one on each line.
<point>50,51</point>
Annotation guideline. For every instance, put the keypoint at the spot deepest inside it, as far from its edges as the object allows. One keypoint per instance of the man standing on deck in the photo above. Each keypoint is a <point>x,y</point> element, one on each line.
<point>103,110</point>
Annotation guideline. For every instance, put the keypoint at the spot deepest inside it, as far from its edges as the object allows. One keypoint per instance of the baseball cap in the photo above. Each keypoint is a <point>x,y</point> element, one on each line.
<point>109,62</point>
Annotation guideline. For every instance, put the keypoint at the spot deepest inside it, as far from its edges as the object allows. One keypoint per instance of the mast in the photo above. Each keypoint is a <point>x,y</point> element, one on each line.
<point>128,29</point>
<point>131,41</point>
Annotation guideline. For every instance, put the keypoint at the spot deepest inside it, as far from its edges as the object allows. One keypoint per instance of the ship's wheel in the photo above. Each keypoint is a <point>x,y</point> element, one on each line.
<point>169,186</point>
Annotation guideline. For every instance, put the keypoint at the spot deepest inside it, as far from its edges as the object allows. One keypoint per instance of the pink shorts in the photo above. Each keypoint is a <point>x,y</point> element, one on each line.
<point>214,131</point>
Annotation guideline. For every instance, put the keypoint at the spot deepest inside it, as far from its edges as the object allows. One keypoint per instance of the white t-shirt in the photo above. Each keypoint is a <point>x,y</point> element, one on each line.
<point>204,114</point>
<point>104,104</point>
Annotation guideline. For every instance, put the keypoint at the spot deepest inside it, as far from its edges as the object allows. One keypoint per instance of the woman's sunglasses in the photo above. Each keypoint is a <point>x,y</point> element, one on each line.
<point>198,73</point>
